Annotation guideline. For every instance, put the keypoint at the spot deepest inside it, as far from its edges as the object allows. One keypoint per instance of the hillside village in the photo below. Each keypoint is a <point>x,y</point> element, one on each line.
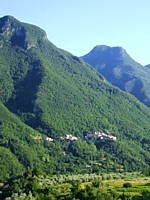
<point>69,137</point>
<point>101,136</point>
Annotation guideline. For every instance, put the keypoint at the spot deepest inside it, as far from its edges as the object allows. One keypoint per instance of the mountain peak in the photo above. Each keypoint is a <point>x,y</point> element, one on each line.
<point>19,33</point>
<point>7,25</point>
<point>116,65</point>
<point>8,18</point>
<point>102,52</point>
<point>102,48</point>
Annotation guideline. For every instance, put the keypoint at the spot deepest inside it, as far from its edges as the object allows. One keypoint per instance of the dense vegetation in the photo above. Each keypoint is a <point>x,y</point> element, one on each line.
<point>121,70</point>
<point>47,92</point>
<point>124,186</point>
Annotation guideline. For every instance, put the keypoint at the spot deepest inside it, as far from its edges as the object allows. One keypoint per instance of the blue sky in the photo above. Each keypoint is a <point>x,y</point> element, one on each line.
<point>79,25</point>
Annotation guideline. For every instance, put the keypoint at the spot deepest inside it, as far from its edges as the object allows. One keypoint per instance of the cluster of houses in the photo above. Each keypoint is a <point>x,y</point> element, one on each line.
<point>101,136</point>
<point>39,137</point>
<point>49,139</point>
<point>69,137</point>
<point>66,137</point>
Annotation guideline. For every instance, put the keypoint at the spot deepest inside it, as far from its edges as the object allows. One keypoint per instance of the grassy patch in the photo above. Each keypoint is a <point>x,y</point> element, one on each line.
<point>138,185</point>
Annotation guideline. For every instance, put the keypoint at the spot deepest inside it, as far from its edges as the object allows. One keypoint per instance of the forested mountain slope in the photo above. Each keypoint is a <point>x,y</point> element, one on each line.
<point>17,145</point>
<point>49,93</point>
<point>115,64</point>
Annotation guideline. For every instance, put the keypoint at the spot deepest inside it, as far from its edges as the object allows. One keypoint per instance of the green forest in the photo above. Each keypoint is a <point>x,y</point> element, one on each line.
<point>46,94</point>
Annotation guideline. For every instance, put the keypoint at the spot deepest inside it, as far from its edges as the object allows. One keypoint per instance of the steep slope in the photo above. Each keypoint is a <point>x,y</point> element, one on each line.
<point>19,148</point>
<point>57,93</point>
<point>121,70</point>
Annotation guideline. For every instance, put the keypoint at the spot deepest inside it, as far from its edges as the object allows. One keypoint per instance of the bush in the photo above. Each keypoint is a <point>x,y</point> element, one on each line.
<point>127,185</point>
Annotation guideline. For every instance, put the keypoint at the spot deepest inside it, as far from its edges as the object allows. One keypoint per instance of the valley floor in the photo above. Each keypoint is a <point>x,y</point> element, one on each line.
<point>133,186</point>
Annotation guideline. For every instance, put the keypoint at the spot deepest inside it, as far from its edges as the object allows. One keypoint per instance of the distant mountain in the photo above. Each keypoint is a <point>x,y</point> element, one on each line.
<point>46,93</point>
<point>115,64</point>
<point>147,66</point>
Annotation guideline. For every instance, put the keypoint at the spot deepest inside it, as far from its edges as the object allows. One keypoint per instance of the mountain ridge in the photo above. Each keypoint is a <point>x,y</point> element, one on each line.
<point>115,64</point>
